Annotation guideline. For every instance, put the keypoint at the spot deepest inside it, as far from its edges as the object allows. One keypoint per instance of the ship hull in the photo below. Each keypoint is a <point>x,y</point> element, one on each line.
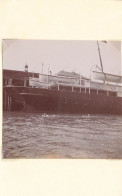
<point>57,101</point>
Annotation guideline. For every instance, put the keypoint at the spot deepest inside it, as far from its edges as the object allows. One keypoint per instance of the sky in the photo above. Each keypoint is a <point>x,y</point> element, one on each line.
<point>56,55</point>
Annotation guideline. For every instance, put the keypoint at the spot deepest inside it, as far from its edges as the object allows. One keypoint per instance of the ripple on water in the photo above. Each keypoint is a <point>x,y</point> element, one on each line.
<point>28,135</point>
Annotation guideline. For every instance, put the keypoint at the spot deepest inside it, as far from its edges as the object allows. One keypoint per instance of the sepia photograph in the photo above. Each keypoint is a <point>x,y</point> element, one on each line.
<point>62,99</point>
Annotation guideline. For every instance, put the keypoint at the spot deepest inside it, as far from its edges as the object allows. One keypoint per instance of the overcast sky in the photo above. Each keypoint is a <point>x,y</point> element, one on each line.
<point>78,56</point>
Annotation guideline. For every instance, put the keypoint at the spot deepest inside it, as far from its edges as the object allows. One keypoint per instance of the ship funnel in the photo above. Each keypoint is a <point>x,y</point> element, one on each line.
<point>26,68</point>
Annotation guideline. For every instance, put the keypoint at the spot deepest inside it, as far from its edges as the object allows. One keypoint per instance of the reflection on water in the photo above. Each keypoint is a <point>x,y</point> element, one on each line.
<point>34,135</point>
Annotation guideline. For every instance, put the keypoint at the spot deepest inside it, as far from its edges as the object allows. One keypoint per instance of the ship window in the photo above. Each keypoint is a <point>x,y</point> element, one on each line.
<point>112,93</point>
<point>76,89</point>
<point>93,91</point>
<point>65,88</point>
<point>83,90</point>
<point>102,92</point>
<point>82,82</point>
<point>18,82</point>
<point>54,87</point>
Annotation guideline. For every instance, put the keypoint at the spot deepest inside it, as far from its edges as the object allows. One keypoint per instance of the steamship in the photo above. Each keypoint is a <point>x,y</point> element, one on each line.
<point>69,92</point>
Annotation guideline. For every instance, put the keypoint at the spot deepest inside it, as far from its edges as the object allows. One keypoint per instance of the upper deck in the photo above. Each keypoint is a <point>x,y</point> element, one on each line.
<point>75,84</point>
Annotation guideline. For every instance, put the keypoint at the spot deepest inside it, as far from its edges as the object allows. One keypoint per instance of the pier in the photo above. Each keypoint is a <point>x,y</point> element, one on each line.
<point>15,78</point>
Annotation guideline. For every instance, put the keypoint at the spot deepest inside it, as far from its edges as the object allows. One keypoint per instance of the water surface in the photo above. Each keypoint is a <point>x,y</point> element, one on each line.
<point>35,135</point>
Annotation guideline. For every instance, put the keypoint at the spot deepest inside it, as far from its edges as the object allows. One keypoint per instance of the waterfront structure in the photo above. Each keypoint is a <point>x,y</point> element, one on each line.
<point>15,78</point>
<point>69,92</point>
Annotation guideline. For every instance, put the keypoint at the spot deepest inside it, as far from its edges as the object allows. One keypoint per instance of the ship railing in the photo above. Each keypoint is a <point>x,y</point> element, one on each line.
<point>106,86</point>
<point>78,83</point>
<point>63,79</point>
<point>87,85</point>
<point>91,86</point>
<point>69,87</point>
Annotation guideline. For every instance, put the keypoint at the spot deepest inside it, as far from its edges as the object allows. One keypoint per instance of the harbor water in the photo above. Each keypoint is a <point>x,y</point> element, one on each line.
<point>36,135</point>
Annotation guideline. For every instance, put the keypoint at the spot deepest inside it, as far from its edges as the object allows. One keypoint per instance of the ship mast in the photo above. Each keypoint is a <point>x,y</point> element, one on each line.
<point>42,67</point>
<point>101,59</point>
<point>100,55</point>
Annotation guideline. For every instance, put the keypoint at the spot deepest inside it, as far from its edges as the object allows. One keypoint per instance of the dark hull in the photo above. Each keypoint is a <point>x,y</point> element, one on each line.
<point>54,101</point>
